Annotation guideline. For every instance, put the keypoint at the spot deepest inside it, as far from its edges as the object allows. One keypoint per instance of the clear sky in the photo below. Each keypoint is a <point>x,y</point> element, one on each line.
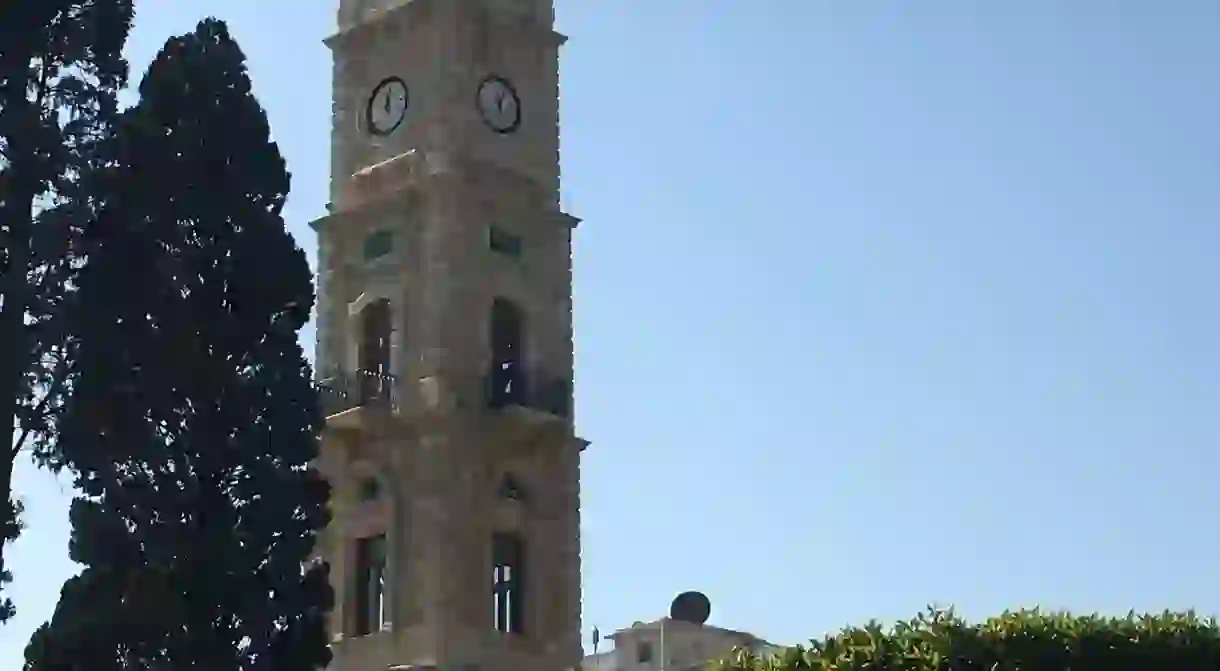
<point>879,303</point>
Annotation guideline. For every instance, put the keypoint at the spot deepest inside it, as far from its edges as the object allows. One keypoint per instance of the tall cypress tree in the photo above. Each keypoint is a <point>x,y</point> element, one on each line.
<point>61,68</point>
<point>192,422</point>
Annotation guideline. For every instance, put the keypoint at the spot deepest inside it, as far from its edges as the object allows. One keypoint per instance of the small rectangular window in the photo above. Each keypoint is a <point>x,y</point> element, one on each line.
<point>503,242</point>
<point>369,489</point>
<point>370,597</point>
<point>644,652</point>
<point>377,245</point>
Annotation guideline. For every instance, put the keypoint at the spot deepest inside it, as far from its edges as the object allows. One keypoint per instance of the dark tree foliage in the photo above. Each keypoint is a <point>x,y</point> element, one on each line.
<point>939,640</point>
<point>61,68</point>
<point>191,421</point>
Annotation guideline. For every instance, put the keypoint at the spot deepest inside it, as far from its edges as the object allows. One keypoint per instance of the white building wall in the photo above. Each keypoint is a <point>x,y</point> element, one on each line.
<point>686,647</point>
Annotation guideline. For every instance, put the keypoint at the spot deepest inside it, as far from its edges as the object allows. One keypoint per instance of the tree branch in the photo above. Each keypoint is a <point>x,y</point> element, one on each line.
<point>57,382</point>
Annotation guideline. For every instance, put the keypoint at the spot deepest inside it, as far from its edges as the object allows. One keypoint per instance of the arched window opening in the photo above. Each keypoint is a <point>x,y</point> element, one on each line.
<point>369,605</point>
<point>507,354</point>
<point>374,372</point>
<point>508,583</point>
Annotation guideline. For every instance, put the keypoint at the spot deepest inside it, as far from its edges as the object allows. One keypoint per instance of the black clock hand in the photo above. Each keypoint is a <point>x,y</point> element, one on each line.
<point>387,103</point>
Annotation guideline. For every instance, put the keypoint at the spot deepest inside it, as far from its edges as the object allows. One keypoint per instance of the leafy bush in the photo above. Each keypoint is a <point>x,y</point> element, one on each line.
<point>1028,640</point>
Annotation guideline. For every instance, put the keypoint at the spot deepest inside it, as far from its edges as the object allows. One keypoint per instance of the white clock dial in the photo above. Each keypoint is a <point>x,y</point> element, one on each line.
<point>387,106</point>
<point>499,105</point>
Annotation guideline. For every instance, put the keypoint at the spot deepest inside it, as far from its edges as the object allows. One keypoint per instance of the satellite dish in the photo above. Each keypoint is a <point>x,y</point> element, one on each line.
<point>693,607</point>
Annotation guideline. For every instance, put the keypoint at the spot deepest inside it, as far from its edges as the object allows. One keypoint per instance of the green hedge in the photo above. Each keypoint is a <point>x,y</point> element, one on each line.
<point>938,640</point>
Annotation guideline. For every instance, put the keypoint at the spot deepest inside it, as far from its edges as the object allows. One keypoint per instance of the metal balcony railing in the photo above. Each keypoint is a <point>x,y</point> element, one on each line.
<point>509,385</point>
<point>353,389</point>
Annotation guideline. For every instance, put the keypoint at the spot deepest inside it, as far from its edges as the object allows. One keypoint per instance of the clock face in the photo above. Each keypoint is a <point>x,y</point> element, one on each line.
<point>499,105</point>
<point>387,106</point>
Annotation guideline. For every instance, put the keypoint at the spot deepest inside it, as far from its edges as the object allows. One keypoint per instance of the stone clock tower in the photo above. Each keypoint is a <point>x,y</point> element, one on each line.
<point>444,347</point>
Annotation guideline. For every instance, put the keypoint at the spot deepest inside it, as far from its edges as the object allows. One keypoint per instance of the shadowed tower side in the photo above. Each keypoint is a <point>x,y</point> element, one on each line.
<point>445,341</point>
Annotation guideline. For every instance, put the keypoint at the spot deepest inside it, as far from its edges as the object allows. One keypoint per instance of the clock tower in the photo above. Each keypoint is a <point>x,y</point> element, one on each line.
<point>444,351</point>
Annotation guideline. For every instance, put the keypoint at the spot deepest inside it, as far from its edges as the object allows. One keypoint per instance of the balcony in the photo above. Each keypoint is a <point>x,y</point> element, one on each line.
<point>528,397</point>
<point>351,400</point>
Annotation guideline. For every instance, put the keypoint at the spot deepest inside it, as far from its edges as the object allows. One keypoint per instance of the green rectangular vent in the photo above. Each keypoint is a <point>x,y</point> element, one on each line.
<point>378,244</point>
<point>504,242</point>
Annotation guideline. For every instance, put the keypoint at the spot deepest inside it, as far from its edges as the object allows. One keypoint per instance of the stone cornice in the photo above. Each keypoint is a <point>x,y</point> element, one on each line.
<point>417,10</point>
<point>395,16</point>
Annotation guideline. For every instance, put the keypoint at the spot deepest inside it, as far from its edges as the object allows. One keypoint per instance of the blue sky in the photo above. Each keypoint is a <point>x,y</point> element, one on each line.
<point>879,303</point>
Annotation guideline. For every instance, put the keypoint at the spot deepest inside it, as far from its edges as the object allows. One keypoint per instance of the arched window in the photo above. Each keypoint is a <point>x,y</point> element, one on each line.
<point>374,372</point>
<point>507,354</point>
<point>508,582</point>
<point>369,601</point>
